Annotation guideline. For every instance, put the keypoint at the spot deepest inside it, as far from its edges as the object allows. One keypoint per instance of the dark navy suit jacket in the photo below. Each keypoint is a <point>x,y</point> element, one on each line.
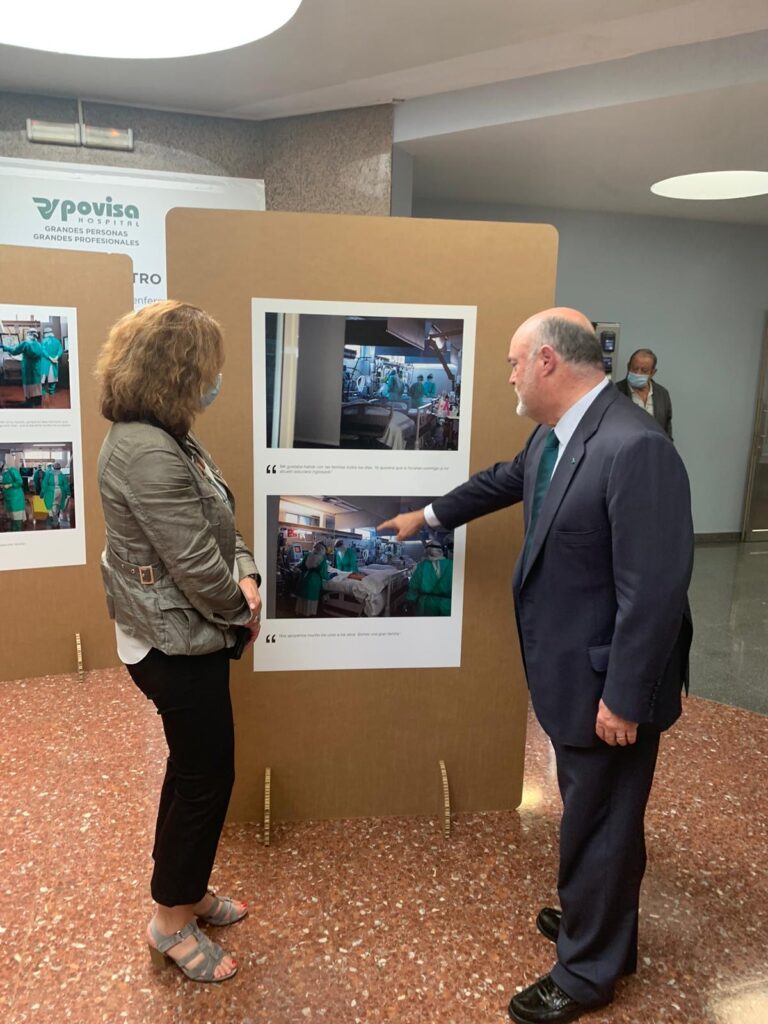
<point>601,602</point>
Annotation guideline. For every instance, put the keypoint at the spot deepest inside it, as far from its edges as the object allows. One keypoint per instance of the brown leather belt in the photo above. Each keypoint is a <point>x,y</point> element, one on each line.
<point>147,575</point>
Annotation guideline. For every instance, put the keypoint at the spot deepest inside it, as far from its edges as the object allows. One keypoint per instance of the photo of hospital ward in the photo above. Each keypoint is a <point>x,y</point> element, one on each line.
<point>388,383</point>
<point>34,363</point>
<point>330,562</point>
<point>36,490</point>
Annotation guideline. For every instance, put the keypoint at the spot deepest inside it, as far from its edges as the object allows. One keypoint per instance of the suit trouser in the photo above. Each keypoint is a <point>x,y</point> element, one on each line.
<point>602,861</point>
<point>191,694</point>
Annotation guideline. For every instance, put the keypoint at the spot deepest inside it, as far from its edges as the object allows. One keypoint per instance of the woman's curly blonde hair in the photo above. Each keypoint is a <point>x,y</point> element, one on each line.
<point>157,363</point>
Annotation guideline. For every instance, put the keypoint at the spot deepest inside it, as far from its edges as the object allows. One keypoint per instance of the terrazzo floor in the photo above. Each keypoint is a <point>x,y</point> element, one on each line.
<point>364,920</point>
<point>729,600</point>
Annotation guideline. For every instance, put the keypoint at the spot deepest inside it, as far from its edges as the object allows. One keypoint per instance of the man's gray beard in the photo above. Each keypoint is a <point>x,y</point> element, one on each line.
<point>521,408</point>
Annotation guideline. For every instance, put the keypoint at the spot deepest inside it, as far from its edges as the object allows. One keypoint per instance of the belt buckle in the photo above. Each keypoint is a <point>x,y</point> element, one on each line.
<point>146,575</point>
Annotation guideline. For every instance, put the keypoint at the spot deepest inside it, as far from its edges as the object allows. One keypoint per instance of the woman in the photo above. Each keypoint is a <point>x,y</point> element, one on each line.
<point>312,571</point>
<point>13,493</point>
<point>180,583</point>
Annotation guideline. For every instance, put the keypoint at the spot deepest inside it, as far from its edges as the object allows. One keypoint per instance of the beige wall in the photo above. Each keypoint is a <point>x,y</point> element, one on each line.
<point>338,162</point>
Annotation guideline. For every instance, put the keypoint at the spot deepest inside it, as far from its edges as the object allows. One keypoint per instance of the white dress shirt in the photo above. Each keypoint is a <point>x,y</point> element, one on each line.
<point>565,427</point>
<point>637,398</point>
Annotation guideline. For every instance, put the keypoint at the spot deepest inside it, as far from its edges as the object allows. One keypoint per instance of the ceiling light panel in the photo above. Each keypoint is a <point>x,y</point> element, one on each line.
<point>711,185</point>
<point>142,30</point>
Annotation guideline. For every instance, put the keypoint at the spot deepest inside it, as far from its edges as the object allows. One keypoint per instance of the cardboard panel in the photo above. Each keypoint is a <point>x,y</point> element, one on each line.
<point>368,743</point>
<point>44,608</point>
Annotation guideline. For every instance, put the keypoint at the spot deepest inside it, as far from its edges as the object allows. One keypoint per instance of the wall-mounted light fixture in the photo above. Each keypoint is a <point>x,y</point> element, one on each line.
<point>53,133</point>
<point>56,133</point>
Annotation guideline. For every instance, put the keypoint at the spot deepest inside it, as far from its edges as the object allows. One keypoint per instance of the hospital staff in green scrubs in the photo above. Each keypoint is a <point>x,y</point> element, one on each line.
<point>31,352</point>
<point>312,571</point>
<point>13,494</point>
<point>56,490</point>
<point>346,557</point>
<point>52,352</point>
<point>431,583</point>
<point>393,387</point>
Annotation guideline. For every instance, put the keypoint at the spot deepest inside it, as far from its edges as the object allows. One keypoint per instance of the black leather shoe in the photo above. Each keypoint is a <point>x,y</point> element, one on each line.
<point>548,923</point>
<point>544,1002</point>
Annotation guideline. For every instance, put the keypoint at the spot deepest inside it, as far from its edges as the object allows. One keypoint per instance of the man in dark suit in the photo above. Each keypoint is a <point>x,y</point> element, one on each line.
<point>600,597</point>
<point>646,392</point>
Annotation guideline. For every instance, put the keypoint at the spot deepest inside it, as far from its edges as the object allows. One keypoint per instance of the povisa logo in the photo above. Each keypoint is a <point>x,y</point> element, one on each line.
<point>47,207</point>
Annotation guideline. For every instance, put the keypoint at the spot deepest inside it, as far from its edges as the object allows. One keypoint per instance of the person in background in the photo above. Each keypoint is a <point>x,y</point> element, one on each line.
<point>646,392</point>
<point>31,353</point>
<point>69,506</point>
<point>416,391</point>
<point>429,387</point>
<point>345,556</point>
<point>600,591</point>
<point>37,479</point>
<point>393,386</point>
<point>182,587</point>
<point>429,590</point>
<point>55,492</point>
<point>13,493</point>
<point>52,351</point>
<point>312,571</point>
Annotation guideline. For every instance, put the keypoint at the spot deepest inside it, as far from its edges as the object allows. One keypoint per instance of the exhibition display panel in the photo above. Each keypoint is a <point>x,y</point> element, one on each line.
<point>351,703</point>
<point>49,569</point>
<point>365,375</point>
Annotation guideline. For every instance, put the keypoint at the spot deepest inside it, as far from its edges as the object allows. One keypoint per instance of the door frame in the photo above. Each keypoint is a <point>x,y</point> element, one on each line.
<point>756,443</point>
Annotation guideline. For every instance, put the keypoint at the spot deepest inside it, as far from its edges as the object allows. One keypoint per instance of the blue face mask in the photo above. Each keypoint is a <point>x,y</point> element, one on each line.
<point>638,380</point>
<point>206,400</point>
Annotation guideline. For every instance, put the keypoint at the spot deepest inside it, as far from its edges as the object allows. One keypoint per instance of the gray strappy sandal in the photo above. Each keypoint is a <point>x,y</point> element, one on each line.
<point>223,911</point>
<point>208,953</point>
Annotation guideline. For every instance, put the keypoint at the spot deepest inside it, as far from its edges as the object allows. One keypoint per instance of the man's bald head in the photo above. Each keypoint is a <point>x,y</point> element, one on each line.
<point>569,332</point>
<point>555,358</point>
<point>565,313</point>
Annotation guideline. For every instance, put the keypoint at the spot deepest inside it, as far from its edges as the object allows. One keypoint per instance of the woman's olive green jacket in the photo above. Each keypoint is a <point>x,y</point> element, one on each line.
<point>171,543</point>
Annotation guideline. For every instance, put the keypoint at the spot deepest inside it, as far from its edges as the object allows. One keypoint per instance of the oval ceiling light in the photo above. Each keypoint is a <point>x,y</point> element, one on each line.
<point>143,29</point>
<point>713,185</point>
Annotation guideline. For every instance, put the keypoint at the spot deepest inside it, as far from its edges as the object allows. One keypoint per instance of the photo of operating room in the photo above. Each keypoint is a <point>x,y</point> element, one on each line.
<point>34,363</point>
<point>330,562</point>
<point>374,382</point>
<point>36,486</point>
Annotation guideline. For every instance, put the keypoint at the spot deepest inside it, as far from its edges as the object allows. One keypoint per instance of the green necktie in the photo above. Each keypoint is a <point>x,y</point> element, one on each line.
<point>543,477</point>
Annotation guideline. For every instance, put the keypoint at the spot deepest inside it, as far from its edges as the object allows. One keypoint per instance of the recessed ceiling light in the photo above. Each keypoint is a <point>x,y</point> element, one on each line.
<point>143,29</point>
<point>714,185</point>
